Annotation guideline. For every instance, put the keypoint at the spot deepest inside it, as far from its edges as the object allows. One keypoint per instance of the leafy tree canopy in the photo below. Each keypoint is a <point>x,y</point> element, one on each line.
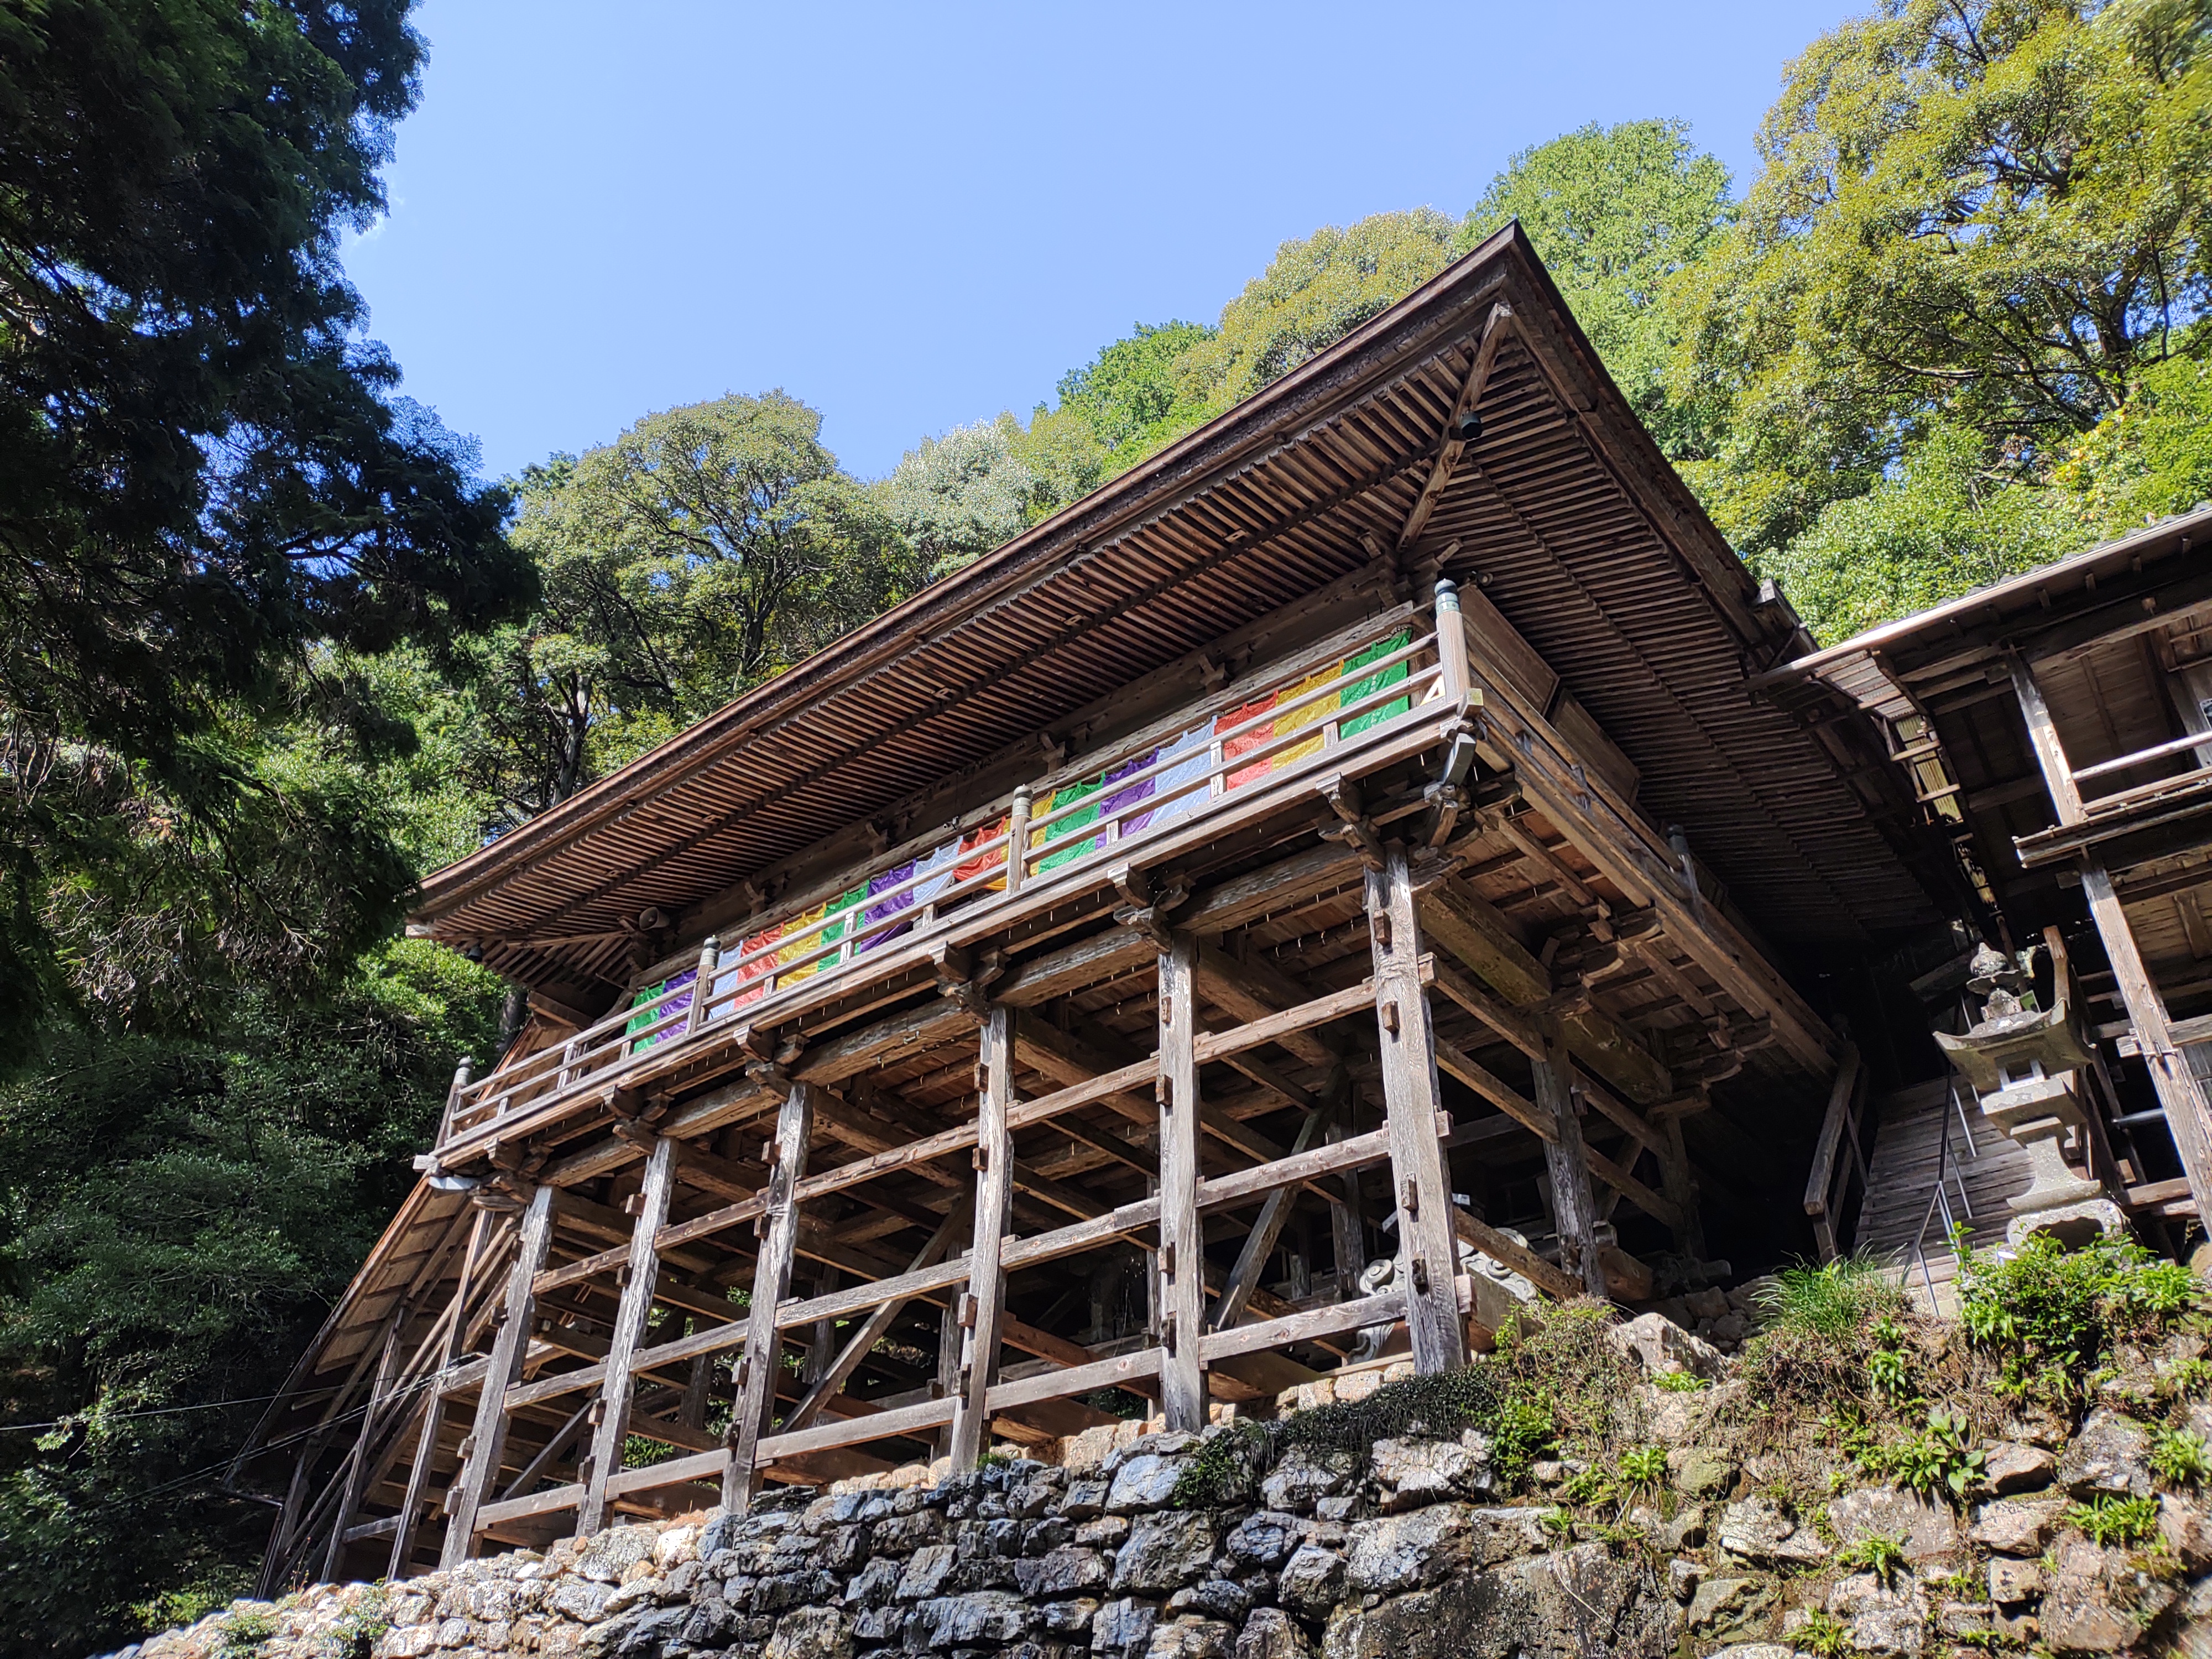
<point>1989,211</point>
<point>1615,212</point>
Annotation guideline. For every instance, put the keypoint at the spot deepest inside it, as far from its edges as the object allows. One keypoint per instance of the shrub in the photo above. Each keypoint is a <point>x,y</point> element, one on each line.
<point>1939,1460</point>
<point>2053,1314</point>
<point>243,1633</point>
<point>2108,1520</point>
<point>1681,1382</point>
<point>2177,1457</point>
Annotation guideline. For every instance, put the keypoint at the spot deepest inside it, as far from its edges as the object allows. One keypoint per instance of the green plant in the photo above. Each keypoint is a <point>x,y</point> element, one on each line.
<point>243,1631</point>
<point>2106,1521</point>
<point>1223,1471</point>
<point>2052,1313</point>
<point>1588,1485</point>
<point>2190,1378</point>
<point>355,1635</point>
<point>1824,1634</point>
<point>1880,1554</point>
<point>1559,1522</point>
<point>1681,1382</point>
<point>1940,1459</point>
<point>1834,1300</point>
<point>1644,1467</point>
<point>2177,1457</point>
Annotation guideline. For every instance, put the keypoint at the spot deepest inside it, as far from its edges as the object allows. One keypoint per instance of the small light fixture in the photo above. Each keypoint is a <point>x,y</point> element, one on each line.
<point>1470,426</point>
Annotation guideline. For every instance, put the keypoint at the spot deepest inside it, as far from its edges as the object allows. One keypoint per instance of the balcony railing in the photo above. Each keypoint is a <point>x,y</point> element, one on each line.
<point>1307,715</point>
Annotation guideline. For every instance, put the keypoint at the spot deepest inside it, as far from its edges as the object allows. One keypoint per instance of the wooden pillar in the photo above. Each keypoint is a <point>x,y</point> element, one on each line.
<point>1679,1182</point>
<point>2179,1093</point>
<point>1347,1220</point>
<point>434,1408</point>
<point>1573,1213</point>
<point>763,1350</point>
<point>488,1440</point>
<point>356,1470</point>
<point>640,1273</point>
<point>1181,1269</point>
<point>1413,1102</point>
<point>983,1308</point>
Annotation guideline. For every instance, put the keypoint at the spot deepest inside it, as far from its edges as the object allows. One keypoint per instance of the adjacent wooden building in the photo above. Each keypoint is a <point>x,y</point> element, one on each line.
<point>1331,880</point>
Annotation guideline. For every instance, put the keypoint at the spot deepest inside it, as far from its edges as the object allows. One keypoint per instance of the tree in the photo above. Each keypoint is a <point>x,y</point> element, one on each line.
<point>956,497</point>
<point>203,474</point>
<point>1615,212</point>
<point>1312,293</point>
<point>706,550</point>
<point>1989,211</point>
<point>1131,397</point>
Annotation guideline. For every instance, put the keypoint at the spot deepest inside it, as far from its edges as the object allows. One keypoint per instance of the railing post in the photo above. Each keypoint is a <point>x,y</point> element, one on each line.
<point>464,1074</point>
<point>1451,645</point>
<point>1018,839</point>
<point>710,958</point>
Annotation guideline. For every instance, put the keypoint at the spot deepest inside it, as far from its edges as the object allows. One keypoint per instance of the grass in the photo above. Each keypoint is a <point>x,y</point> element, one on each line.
<point>1679,1382</point>
<point>1836,1300</point>
<point>2178,1457</point>
<point>1881,1555</point>
<point>2109,1521</point>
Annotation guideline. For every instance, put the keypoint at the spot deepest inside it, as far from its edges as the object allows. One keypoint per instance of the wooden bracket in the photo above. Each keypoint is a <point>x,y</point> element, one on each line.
<point>1343,798</point>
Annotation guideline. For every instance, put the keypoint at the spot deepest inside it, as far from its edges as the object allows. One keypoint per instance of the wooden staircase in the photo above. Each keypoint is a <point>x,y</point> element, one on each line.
<point>1920,1130</point>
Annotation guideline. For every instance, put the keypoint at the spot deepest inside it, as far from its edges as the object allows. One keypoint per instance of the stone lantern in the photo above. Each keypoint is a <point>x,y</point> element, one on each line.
<point>2023,1066</point>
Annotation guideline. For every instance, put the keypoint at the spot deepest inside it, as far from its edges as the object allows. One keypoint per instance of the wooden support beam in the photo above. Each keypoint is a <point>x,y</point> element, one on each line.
<point>983,1309</point>
<point>872,1329</point>
<point>1453,445</point>
<point>1428,1257</point>
<point>1181,1259</point>
<point>795,1128</point>
<point>643,1267</point>
<point>2043,738</point>
<point>356,1468</point>
<point>434,1409</point>
<point>1565,1161</point>
<point>488,1439</point>
<point>1252,990</point>
<point>1260,1243</point>
<point>2179,1093</point>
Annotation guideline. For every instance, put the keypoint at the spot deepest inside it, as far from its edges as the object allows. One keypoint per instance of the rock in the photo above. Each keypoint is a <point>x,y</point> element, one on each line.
<point>812,1633</point>
<point>1757,1530</point>
<point>1720,1607</point>
<point>1146,1481</point>
<point>1311,1581</point>
<point>2097,1600</point>
<point>1189,1637</point>
<point>1264,1538</point>
<point>1213,1598</point>
<point>967,1621</point>
<point>926,1572</point>
<point>1757,1650</point>
<point>2186,1529</point>
<point>874,1584</point>
<point>1084,1499</point>
<point>1060,1573</point>
<point>1929,1534</point>
<point>1414,1473</point>
<point>1304,1476</point>
<point>901,1534</point>
<point>1683,1580</point>
<point>579,1599</point>
<point>1578,1602</point>
<point>2016,1526</point>
<point>1122,1629</point>
<point>1401,1552</point>
<point>2012,1582</point>
<point>1700,1472</point>
<point>612,1552</point>
<point>1166,1551</point>
<point>1659,1344</point>
<point>1270,1633</point>
<point>2014,1467</point>
<point>1069,1619</point>
<point>1883,1618</point>
<point>1707,1304</point>
<point>2111,1455</point>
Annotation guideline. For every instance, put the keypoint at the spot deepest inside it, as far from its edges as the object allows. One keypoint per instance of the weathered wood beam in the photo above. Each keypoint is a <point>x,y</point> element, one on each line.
<point>1453,446</point>
<point>488,1439</point>
<point>983,1309</point>
<point>872,1329</point>
<point>644,1268</point>
<point>1181,1259</point>
<point>795,1128</point>
<point>1567,1162</point>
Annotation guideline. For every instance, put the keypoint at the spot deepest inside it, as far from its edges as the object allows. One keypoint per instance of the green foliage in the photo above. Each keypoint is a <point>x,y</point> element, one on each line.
<point>1615,213</point>
<point>1679,1382</point>
<point>2051,1314</point>
<point>2178,1457</point>
<point>1824,1634</point>
<point>1838,1299</point>
<point>243,1633</point>
<point>1131,397</point>
<point>1644,1466</point>
<point>2106,1521</point>
<point>1223,1469</point>
<point>1880,1554</point>
<point>1938,1460</point>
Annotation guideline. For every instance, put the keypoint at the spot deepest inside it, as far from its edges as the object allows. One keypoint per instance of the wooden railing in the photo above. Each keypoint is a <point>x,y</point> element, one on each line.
<point>1312,711</point>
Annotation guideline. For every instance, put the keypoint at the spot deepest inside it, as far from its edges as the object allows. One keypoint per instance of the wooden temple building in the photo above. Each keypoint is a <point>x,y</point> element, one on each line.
<point>1381,859</point>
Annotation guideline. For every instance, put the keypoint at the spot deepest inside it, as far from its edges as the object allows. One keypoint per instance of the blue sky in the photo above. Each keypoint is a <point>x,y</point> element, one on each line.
<point>913,217</point>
